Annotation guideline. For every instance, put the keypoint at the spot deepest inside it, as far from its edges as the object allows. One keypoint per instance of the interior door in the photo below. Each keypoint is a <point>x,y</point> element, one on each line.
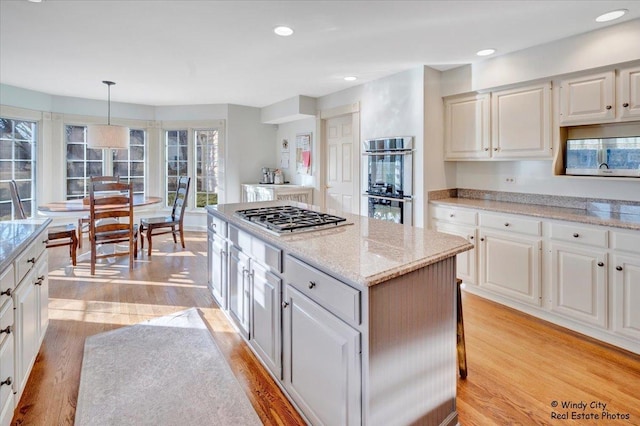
<point>342,164</point>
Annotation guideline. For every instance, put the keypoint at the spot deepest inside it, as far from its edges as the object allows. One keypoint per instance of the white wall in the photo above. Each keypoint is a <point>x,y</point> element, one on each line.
<point>249,147</point>
<point>289,131</point>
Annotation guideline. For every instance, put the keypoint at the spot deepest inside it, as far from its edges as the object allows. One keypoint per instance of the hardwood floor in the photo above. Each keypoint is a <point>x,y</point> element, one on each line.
<point>517,364</point>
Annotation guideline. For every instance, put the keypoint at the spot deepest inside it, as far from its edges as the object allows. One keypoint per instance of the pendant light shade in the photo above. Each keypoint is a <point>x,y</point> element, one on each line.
<point>108,136</point>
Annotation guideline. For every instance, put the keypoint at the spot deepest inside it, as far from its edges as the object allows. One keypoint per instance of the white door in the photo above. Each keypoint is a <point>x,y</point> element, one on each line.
<point>342,164</point>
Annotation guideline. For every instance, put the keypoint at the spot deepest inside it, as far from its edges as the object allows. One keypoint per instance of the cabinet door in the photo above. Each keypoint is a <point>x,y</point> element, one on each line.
<point>42,291</point>
<point>26,329</point>
<point>321,362</point>
<point>588,99</point>
<point>521,122</point>
<point>626,296</point>
<point>217,269</point>
<point>510,265</point>
<point>466,261</point>
<point>6,372</point>
<point>265,321</point>
<point>630,93</point>
<point>239,289</point>
<point>467,127</point>
<point>579,283</point>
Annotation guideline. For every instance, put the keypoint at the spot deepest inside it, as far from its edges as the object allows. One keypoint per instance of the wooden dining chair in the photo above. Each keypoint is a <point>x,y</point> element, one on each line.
<point>168,224</point>
<point>83,222</point>
<point>57,236</point>
<point>111,220</point>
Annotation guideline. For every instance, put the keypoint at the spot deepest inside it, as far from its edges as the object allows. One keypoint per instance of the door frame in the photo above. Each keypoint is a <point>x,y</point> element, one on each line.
<point>324,115</point>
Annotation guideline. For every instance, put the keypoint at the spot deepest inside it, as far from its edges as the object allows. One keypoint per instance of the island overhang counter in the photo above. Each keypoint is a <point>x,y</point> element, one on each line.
<point>356,323</point>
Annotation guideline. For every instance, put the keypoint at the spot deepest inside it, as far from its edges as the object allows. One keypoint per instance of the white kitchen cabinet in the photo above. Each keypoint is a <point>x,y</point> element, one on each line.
<point>601,98</point>
<point>626,295</point>
<point>510,265</point>
<point>7,333</point>
<point>270,192</point>
<point>217,268</point>
<point>466,261</point>
<point>239,289</point>
<point>321,362</point>
<point>266,288</point>
<point>630,93</point>
<point>521,122</point>
<point>26,329</point>
<point>467,127</point>
<point>588,99</point>
<point>579,283</point>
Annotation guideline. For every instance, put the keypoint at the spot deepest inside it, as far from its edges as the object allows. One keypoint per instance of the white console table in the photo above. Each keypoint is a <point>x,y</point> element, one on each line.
<point>270,192</point>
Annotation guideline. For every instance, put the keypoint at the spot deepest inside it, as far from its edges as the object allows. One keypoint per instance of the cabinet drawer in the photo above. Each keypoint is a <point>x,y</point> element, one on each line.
<point>6,319</point>
<point>266,254</point>
<point>454,215</point>
<point>336,296</point>
<point>625,241</point>
<point>27,260</point>
<point>511,224</point>
<point>239,238</point>
<point>7,281</point>
<point>579,234</point>
<point>217,225</point>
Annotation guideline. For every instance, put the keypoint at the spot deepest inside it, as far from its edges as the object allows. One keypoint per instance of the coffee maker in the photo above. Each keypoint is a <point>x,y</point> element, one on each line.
<point>267,175</point>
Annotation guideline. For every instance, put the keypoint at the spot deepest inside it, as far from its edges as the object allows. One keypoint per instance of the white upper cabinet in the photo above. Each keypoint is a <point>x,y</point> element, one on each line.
<point>630,93</point>
<point>467,127</point>
<point>593,98</point>
<point>588,99</point>
<point>521,122</point>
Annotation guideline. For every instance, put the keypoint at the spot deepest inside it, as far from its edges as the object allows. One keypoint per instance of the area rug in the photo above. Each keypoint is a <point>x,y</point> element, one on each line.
<point>165,371</point>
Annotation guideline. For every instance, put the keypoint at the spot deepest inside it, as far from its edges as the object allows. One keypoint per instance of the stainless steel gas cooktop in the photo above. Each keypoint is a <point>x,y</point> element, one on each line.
<point>288,219</point>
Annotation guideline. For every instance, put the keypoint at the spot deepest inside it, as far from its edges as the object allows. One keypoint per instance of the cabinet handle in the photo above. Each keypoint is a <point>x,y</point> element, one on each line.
<point>284,305</point>
<point>7,292</point>
<point>626,104</point>
<point>452,215</point>
<point>311,284</point>
<point>506,224</point>
<point>600,264</point>
<point>6,330</point>
<point>6,382</point>
<point>471,237</point>
<point>482,239</point>
<point>45,241</point>
<point>608,107</point>
<point>576,235</point>
<point>486,149</point>
<point>495,149</point>
<point>32,260</point>
<point>222,252</point>
<point>618,268</point>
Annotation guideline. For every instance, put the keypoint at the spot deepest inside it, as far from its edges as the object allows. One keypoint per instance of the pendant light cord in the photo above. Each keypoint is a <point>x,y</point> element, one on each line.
<point>109,84</point>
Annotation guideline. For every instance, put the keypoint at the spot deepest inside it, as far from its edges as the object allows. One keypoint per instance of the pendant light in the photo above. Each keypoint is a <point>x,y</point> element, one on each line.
<point>107,136</point>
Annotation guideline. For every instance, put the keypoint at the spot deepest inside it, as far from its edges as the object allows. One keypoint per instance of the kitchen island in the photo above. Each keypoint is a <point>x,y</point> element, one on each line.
<point>356,323</point>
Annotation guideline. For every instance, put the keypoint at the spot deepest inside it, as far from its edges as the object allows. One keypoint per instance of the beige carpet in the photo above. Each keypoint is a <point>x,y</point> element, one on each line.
<point>166,371</point>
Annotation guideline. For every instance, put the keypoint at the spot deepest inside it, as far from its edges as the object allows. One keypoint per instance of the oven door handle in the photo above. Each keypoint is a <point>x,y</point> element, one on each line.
<point>398,152</point>
<point>406,198</point>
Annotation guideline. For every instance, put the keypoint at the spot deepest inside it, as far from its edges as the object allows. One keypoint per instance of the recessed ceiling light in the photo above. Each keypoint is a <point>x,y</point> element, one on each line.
<point>35,1</point>
<point>350,78</point>
<point>610,16</point>
<point>283,31</point>
<point>485,52</point>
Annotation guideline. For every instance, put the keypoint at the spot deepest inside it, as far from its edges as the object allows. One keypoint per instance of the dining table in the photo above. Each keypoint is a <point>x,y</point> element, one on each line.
<point>80,206</point>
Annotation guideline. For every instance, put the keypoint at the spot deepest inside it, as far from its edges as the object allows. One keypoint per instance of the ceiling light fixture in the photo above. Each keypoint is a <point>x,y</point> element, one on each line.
<point>485,52</point>
<point>101,136</point>
<point>283,31</point>
<point>350,78</point>
<point>35,1</point>
<point>610,16</point>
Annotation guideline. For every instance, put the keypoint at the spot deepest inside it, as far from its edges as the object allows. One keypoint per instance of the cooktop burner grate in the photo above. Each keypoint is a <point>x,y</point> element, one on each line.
<point>285,219</point>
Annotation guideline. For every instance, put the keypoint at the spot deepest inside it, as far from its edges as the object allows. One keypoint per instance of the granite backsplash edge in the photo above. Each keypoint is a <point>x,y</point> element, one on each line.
<point>582,203</point>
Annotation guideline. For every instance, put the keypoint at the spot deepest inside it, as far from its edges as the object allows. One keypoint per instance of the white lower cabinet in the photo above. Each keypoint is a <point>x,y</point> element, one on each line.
<point>239,289</point>
<point>7,373</point>
<point>510,265</point>
<point>466,261</point>
<point>217,268</point>
<point>626,295</point>
<point>579,283</point>
<point>265,333</point>
<point>321,362</point>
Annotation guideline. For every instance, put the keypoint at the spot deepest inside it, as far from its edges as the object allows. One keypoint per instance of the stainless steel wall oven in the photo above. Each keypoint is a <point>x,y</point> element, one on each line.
<point>389,167</point>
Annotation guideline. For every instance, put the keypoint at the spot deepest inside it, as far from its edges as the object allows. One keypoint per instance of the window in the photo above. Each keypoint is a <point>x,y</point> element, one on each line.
<point>84,162</point>
<point>206,167</point>
<point>17,162</point>
<point>193,152</point>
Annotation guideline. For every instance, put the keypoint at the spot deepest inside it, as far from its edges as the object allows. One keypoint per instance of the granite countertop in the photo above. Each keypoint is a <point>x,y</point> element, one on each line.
<point>366,252</point>
<point>16,235</point>
<point>616,219</point>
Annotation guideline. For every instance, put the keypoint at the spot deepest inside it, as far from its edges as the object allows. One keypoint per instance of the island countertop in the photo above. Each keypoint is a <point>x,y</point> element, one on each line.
<point>367,251</point>
<point>15,235</point>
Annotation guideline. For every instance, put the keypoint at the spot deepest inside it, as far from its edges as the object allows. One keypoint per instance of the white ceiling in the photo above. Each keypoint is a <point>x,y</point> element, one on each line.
<point>184,52</point>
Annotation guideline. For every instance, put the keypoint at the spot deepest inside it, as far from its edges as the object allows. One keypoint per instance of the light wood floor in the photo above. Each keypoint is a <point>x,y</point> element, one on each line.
<point>517,365</point>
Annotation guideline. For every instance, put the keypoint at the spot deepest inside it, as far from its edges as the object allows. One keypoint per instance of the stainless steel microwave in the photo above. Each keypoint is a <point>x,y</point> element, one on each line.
<point>603,157</point>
